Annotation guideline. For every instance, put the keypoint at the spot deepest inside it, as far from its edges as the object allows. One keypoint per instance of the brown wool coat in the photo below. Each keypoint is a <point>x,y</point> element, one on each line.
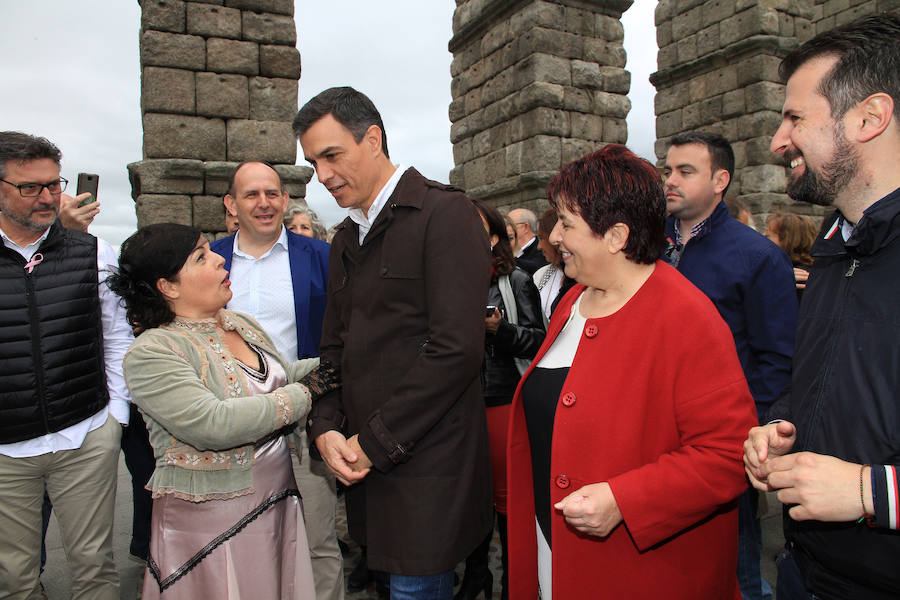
<point>405,321</point>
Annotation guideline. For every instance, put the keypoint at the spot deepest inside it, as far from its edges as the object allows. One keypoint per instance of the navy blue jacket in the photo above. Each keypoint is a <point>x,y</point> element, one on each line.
<point>751,282</point>
<point>844,396</point>
<point>309,275</point>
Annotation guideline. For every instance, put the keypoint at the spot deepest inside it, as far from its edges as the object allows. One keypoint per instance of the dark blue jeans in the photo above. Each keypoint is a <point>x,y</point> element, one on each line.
<point>753,587</point>
<point>422,587</point>
<point>790,584</point>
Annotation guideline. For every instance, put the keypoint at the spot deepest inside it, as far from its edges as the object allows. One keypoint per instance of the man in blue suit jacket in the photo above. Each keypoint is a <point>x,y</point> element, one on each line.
<point>280,278</point>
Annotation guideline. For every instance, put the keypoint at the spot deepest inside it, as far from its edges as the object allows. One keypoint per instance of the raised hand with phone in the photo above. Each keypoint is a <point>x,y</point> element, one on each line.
<point>79,212</point>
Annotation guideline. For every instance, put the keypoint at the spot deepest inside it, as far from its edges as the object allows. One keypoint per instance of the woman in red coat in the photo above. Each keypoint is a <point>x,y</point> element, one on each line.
<point>625,440</point>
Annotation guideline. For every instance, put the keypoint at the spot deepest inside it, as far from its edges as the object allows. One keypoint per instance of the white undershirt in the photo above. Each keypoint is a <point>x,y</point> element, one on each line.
<point>562,351</point>
<point>262,287</point>
<point>365,219</point>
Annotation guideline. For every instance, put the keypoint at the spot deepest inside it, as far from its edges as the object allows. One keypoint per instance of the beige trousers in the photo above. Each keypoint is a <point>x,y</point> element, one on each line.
<point>82,487</point>
<point>317,488</point>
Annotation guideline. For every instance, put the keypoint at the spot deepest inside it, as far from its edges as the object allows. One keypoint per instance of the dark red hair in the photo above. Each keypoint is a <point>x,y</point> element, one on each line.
<point>614,185</point>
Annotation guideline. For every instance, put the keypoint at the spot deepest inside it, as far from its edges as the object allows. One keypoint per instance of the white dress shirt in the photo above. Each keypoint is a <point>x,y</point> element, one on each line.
<point>365,219</point>
<point>117,337</point>
<point>262,288</point>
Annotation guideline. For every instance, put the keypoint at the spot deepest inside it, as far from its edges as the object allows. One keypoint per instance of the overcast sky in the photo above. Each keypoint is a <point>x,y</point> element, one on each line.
<point>71,72</point>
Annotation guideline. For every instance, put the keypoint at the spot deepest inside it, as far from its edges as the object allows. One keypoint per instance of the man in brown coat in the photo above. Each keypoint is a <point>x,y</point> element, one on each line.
<point>408,281</point>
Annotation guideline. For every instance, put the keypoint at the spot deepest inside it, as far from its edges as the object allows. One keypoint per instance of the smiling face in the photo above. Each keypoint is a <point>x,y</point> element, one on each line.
<point>583,251</point>
<point>25,219</point>
<point>692,188</point>
<point>813,144</point>
<point>351,171</point>
<point>201,287</point>
<point>258,202</point>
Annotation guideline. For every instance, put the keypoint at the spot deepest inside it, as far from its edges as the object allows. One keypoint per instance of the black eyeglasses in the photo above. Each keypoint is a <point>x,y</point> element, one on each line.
<point>33,190</point>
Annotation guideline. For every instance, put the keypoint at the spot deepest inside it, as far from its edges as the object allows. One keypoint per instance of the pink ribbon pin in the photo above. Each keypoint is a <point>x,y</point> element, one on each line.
<point>36,259</point>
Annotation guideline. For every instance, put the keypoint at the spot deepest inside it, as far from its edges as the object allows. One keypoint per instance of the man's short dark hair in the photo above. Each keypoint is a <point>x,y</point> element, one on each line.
<point>868,53</point>
<point>350,108</point>
<point>720,153</point>
<point>18,146</point>
<point>247,162</point>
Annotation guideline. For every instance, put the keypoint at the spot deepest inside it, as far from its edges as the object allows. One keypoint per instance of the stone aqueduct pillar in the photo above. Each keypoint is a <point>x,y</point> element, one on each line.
<point>718,71</point>
<point>218,86</point>
<point>535,85</point>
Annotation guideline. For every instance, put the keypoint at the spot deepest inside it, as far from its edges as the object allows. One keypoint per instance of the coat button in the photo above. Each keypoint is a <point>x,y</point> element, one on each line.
<point>562,481</point>
<point>568,399</point>
<point>591,331</point>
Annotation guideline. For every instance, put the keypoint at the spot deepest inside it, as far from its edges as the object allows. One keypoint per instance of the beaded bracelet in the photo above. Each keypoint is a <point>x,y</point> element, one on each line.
<point>869,519</point>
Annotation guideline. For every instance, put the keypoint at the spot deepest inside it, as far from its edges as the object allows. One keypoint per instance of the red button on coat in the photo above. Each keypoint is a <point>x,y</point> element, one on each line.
<point>568,399</point>
<point>591,331</point>
<point>562,481</point>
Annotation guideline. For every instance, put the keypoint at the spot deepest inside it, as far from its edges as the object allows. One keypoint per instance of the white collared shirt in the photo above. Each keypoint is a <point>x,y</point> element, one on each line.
<point>365,219</point>
<point>524,246</point>
<point>262,288</point>
<point>117,337</point>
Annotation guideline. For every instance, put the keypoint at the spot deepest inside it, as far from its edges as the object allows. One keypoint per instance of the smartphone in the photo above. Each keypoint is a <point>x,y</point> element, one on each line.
<point>490,310</point>
<point>87,182</point>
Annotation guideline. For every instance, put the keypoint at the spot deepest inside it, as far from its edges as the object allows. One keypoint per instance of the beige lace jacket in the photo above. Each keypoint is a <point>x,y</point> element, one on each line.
<point>191,392</point>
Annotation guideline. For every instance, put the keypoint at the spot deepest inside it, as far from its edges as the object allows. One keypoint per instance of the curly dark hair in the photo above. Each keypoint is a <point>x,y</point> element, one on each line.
<point>614,185</point>
<point>504,262</point>
<point>154,252</point>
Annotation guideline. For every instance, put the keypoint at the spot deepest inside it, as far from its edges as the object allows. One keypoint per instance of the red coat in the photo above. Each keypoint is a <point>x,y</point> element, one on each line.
<point>661,409</point>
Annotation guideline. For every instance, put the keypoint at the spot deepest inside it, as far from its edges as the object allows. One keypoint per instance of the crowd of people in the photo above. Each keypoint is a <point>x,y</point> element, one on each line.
<point>609,385</point>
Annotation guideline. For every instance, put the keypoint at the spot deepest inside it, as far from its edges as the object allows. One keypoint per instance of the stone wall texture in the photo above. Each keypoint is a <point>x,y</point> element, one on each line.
<point>537,83</point>
<point>218,86</point>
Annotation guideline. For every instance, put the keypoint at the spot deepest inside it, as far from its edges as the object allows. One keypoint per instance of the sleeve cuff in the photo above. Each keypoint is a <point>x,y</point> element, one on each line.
<point>885,496</point>
<point>119,410</point>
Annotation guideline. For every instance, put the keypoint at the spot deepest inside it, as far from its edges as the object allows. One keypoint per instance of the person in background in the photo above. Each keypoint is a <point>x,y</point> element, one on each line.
<point>529,256</point>
<point>62,396</point>
<point>279,279</point>
<point>304,221</point>
<point>551,280</point>
<point>624,455</point>
<point>505,341</point>
<point>750,281</point>
<point>511,234</point>
<point>219,401</point>
<point>831,448</point>
<point>795,235</point>
<point>738,210</point>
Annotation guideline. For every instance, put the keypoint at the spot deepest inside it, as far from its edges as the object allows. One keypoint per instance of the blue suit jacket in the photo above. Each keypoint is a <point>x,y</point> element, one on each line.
<point>309,277</point>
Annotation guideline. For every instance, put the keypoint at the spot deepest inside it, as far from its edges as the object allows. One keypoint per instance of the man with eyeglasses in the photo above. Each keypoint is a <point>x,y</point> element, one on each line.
<point>529,257</point>
<point>62,395</point>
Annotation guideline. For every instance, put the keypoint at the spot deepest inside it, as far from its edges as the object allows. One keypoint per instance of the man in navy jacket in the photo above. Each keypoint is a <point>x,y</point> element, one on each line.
<point>280,279</point>
<point>748,278</point>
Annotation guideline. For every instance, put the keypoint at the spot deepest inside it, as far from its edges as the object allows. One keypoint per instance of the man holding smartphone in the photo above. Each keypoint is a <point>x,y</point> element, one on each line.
<point>62,394</point>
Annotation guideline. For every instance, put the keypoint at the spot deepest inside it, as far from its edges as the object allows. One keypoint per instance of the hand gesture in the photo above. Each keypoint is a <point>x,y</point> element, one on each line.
<point>73,216</point>
<point>768,441</point>
<point>341,458</point>
<point>591,509</point>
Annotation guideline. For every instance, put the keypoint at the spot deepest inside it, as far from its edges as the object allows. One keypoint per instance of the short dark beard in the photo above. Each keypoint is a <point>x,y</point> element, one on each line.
<point>822,189</point>
<point>24,222</point>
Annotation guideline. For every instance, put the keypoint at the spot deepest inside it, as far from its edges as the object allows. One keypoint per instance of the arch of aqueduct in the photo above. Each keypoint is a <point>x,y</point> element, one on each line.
<point>535,84</point>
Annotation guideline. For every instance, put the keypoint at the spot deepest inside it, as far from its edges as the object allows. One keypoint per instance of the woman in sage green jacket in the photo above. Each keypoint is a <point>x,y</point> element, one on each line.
<point>219,402</point>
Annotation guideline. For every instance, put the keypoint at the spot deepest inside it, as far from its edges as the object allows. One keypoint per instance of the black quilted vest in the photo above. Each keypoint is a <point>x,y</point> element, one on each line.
<point>51,338</point>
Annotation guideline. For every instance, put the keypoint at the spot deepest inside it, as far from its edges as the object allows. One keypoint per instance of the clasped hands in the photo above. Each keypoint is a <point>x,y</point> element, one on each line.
<point>820,487</point>
<point>344,457</point>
